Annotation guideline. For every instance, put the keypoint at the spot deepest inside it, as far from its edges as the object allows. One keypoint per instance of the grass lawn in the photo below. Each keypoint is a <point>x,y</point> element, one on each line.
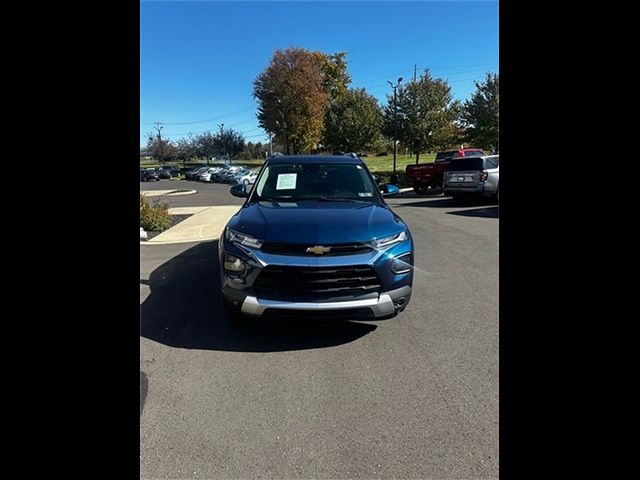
<point>381,166</point>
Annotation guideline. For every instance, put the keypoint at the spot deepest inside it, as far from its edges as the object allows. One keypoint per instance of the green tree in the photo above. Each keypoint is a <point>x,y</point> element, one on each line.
<point>480,114</point>
<point>205,145</point>
<point>423,113</point>
<point>228,143</point>
<point>352,122</point>
<point>335,77</point>
<point>292,99</point>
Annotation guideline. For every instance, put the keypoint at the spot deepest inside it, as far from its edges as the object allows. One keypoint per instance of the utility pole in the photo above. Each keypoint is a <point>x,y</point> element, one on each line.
<point>158,128</point>
<point>224,145</point>
<point>415,69</point>
<point>394,176</point>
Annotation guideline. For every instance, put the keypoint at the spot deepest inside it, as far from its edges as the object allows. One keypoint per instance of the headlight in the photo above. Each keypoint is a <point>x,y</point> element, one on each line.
<point>386,241</point>
<point>401,264</point>
<point>243,239</point>
<point>232,264</point>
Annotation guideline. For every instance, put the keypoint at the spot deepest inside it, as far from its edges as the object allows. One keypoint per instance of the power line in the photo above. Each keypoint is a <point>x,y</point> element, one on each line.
<point>219,117</point>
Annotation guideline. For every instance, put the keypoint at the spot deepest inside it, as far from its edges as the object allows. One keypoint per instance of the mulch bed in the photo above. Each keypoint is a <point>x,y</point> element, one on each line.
<point>175,219</point>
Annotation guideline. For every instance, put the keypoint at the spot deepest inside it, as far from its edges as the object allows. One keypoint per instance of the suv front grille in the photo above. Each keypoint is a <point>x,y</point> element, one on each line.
<point>301,249</point>
<point>316,283</point>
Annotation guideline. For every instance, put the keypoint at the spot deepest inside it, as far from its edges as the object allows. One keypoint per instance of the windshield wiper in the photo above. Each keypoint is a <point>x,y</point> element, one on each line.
<point>274,199</point>
<point>337,199</point>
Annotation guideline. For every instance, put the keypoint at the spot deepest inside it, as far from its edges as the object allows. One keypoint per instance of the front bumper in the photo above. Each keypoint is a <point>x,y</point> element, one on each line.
<point>386,305</point>
<point>394,295</point>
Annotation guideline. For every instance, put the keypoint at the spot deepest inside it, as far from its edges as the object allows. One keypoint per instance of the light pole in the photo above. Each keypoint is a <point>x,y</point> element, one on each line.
<point>394,177</point>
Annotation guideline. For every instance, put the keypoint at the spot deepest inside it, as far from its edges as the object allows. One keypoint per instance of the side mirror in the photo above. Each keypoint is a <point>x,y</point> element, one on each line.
<point>239,191</point>
<point>389,190</point>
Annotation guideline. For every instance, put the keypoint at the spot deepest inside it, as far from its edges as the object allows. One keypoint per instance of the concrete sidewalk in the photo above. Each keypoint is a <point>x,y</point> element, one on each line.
<point>205,224</point>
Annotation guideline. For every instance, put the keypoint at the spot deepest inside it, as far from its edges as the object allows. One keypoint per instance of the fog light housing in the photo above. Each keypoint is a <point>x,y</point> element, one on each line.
<point>232,264</point>
<point>401,263</point>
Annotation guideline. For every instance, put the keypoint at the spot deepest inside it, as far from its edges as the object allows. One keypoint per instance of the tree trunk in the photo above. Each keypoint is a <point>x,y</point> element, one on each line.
<point>417,156</point>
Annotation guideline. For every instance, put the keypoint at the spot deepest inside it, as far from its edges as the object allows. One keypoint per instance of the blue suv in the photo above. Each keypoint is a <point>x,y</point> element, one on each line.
<point>315,239</point>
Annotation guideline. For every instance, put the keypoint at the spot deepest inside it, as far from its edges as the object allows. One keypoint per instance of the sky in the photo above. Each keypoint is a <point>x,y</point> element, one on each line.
<point>198,59</point>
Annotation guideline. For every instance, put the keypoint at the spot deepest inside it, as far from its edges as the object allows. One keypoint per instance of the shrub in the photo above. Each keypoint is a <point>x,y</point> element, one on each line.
<point>154,217</point>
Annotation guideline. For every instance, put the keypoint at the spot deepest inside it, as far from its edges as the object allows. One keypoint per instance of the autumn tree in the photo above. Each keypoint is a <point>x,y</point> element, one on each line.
<point>292,99</point>
<point>422,113</point>
<point>186,149</point>
<point>352,122</point>
<point>160,149</point>
<point>480,114</point>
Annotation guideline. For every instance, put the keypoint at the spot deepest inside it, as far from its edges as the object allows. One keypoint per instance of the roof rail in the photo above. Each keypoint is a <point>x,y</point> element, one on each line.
<point>353,155</point>
<point>276,154</point>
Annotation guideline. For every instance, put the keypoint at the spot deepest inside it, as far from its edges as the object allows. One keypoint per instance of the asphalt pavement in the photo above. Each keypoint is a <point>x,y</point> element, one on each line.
<point>415,396</point>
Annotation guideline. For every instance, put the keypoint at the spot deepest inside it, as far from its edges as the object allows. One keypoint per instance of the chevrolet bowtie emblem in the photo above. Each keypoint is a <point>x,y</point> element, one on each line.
<point>318,249</point>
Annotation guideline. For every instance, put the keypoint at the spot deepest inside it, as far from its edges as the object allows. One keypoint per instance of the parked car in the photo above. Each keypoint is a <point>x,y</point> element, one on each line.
<point>227,176</point>
<point>315,239</point>
<point>172,169</point>
<point>163,173</point>
<point>206,175</point>
<point>473,176</point>
<point>149,175</point>
<point>248,177</point>
<point>193,173</point>
<point>217,177</point>
<point>425,176</point>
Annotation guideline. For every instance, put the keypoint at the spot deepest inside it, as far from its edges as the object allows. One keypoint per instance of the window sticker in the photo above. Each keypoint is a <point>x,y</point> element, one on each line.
<point>286,181</point>
<point>365,194</point>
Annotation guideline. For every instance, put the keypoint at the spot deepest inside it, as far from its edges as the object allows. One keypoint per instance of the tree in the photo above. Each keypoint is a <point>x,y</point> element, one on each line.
<point>160,150</point>
<point>186,148</point>
<point>480,114</point>
<point>352,122</point>
<point>334,73</point>
<point>424,115</point>
<point>228,143</point>
<point>292,99</point>
<point>205,145</point>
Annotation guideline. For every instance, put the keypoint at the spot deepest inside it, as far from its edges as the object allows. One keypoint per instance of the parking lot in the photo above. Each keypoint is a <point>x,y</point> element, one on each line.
<point>415,396</point>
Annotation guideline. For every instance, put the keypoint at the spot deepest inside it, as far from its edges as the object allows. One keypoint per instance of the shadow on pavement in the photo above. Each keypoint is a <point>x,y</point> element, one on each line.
<point>438,202</point>
<point>185,310</point>
<point>448,202</point>
<point>491,212</point>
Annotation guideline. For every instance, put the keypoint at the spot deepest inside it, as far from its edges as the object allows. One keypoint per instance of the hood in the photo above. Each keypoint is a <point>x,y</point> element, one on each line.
<point>316,223</point>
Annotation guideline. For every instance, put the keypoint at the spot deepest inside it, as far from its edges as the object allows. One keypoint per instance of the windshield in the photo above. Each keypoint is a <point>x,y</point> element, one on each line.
<point>316,181</point>
<point>444,156</point>
<point>464,164</point>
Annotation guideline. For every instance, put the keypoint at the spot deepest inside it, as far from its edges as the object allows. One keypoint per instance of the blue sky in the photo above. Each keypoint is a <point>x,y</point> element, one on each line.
<point>198,59</point>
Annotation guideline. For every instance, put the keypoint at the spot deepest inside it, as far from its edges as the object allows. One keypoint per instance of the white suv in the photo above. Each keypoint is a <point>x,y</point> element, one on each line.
<point>477,176</point>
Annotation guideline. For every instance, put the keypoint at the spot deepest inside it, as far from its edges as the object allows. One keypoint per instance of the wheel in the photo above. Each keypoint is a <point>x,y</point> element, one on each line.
<point>420,189</point>
<point>246,182</point>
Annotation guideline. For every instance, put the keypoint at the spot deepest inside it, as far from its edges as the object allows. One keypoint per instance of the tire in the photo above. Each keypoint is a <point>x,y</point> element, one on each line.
<point>420,190</point>
<point>246,182</point>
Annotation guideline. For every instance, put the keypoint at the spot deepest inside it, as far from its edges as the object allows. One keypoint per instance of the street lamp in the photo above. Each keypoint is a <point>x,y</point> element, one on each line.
<point>394,176</point>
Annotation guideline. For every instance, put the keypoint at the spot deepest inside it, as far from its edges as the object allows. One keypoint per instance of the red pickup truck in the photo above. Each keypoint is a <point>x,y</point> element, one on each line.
<point>430,175</point>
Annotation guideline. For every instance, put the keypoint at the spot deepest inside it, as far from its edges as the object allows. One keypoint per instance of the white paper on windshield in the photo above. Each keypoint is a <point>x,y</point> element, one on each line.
<point>286,181</point>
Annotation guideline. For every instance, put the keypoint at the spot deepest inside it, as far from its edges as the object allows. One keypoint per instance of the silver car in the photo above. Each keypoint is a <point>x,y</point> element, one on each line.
<point>477,176</point>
